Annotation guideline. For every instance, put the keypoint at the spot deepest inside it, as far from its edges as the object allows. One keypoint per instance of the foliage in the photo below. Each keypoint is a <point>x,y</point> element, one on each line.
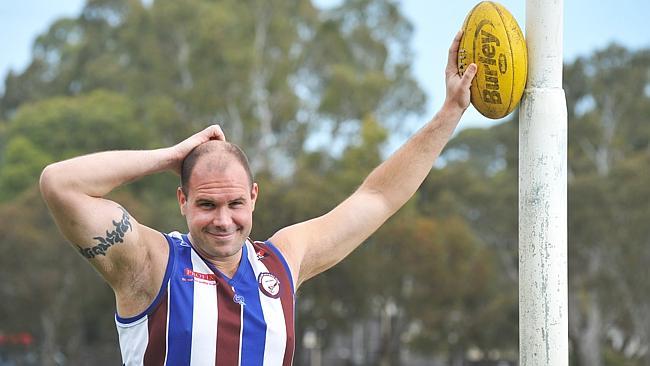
<point>608,156</point>
<point>313,95</point>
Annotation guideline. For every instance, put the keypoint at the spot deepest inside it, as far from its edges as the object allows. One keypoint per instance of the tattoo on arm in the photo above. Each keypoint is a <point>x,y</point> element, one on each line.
<point>111,238</point>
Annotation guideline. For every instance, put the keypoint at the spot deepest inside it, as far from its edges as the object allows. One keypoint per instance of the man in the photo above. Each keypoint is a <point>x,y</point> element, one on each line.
<point>212,296</point>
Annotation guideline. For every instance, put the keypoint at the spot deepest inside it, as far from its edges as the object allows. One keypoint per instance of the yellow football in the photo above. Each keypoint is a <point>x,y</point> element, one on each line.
<point>493,41</point>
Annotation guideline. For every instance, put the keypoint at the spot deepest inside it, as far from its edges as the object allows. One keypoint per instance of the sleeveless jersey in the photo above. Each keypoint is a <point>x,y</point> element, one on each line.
<point>201,317</point>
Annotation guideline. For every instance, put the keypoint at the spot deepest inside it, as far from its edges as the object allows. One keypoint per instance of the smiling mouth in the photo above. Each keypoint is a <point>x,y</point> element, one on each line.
<point>221,235</point>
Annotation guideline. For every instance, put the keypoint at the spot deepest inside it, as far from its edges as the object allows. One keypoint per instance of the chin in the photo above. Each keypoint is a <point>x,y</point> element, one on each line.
<point>228,251</point>
<point>225,249</point>
<point>208,246</point>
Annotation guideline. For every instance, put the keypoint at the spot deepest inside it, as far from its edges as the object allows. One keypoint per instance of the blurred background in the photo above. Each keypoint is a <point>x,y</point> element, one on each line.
<point>318,93</point>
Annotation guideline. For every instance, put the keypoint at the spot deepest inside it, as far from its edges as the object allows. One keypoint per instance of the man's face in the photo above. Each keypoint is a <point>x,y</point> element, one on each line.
<point>218,207</point>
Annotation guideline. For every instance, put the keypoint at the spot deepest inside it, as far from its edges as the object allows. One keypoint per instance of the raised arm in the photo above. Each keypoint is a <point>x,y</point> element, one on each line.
<point>103,231</point>
<point>316,245</point>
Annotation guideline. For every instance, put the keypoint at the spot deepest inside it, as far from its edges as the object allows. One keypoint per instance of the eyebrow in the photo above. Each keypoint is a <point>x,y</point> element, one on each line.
<point>205,199</point>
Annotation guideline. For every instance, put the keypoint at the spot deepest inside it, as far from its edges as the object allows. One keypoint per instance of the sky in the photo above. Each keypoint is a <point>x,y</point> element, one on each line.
<point>588,26</point>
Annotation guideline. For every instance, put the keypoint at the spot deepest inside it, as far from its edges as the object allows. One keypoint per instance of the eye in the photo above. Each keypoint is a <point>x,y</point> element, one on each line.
<point>236,203</point>
<point>206,204</point>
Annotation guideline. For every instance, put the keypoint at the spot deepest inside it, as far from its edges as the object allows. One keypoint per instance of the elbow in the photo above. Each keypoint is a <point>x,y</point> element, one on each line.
<point>48,182</point>
<point>392,195</point>
<point>386,202</point>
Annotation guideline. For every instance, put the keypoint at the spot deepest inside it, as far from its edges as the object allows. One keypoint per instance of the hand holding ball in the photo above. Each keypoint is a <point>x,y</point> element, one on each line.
<point>493,41</point>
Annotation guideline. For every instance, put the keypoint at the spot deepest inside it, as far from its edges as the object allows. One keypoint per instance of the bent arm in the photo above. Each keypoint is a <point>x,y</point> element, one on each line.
<point>96,175</point>
<point>103,231</point>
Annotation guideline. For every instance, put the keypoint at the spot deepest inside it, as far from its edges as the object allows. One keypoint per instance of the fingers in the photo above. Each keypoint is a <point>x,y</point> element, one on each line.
<point>213,132</point>
<point>452,60</point>
<point>183,148</point>
<point>469,74</point>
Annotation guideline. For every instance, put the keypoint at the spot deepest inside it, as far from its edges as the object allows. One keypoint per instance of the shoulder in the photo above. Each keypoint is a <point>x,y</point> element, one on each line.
<point>268,255</point>
<point>264,249</point>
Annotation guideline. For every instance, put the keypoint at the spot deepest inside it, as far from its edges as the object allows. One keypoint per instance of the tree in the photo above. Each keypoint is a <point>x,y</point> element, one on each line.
<point>607,99</point>
<point>22,162</point>
<point>47,291</point>
<point>279,76</point>
<point>59,128</point>
<point>476,185</point>
<point>271,72</point>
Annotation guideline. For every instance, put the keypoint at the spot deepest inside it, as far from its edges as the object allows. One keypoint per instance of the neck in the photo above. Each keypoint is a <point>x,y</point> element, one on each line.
<point>227,267</point>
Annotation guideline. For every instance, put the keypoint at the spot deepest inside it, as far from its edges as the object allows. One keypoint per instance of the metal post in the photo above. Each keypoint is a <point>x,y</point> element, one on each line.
<point>543,287</point>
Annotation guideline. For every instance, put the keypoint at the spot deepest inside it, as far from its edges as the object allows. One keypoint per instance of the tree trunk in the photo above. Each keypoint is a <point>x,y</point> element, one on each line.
<point>259,80</point>
<point>390,344</point>
<point>49,345</point>
<point>586,325</point>
<point>457,356</point>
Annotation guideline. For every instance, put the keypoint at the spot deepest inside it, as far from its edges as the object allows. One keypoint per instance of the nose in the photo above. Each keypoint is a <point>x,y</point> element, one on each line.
<point>221,219</point>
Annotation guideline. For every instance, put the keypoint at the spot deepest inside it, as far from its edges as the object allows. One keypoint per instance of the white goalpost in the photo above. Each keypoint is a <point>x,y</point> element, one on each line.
<point>543,284</point>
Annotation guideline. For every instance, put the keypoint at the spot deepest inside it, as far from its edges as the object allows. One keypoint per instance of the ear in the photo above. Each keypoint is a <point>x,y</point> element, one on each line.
<point>182,200</point>
<point>254,191</point>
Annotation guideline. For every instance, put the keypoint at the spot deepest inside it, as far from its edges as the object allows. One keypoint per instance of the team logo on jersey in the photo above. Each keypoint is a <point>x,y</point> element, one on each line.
<point>239,299</point>
<point>190,276</point>
<point>269,284</point>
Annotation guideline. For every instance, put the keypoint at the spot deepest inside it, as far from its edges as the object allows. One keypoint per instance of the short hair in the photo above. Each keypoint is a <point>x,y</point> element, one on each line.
<point>209,147</point>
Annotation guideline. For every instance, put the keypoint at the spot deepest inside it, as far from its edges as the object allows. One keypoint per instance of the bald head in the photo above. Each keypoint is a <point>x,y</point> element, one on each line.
<point>222,153</point>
